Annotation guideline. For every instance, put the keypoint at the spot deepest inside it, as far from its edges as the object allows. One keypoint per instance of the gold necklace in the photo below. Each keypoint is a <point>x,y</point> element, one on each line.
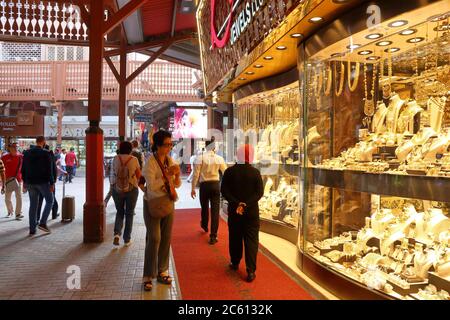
<point>354,85</point>
<point>369,104</point>
<point>329,79</point>
<point>339,88</point>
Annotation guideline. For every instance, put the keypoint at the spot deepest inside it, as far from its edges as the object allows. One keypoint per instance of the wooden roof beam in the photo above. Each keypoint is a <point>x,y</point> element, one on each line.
<point>122,14</point>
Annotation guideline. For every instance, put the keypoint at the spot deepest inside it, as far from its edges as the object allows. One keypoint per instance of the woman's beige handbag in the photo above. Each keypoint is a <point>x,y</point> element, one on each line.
<point>160,207</point>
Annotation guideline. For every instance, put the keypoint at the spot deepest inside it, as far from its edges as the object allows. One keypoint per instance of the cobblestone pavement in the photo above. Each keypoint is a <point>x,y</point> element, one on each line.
<point>36,267</point>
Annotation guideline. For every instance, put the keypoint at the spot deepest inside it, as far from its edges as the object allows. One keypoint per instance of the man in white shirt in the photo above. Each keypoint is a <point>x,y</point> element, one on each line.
<point>206,171</point>
<point>62,160</point>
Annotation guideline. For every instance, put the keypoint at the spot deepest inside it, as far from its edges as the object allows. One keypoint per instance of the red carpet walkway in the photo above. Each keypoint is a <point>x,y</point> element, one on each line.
<point>203,269</point>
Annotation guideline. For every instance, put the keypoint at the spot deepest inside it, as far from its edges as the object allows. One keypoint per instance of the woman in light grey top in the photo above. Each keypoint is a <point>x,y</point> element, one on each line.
<point>159,230</point>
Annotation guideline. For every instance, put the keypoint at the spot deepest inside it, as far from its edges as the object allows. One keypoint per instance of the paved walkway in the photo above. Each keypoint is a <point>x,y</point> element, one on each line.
<point>36,267</point>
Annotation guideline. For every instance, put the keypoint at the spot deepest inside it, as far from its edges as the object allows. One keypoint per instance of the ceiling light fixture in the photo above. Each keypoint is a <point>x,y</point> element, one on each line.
<point>296,35</point>
<point>242,79</point>
<point>250,73</point>
<point>415,40</point>
<point>408,32</point>
<point>384,43</point>
<point>353,46</point>
<point>373,58</point>
<point>373,36</point>
<point>258,66</point>
<point>268,58</point>
<point>365,52</point>
<point>391,50</point>
<point>397,23</point>
<point>281,48</point>
<point>315,19</point>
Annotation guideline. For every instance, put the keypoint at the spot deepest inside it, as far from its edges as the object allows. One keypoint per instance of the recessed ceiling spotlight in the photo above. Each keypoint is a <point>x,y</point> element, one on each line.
<point>315,19</point>
<point>353,46</point>
<point>373,58</point>
<point>408,32</point>
<point>438,17</point>
<point>296,35</point>
<point>373,36</point>
<point>281,48</point>
<point>340,1</point>
<point>258,66</point>
<point>384,43</point>
<point>268,58</point>
<point>415,40</point>
<point>364,52</point>
<point>391,50</point>
<point>336,54</point>
<point>397,23</point>
<point>242,79</point>
<point>249,73</point>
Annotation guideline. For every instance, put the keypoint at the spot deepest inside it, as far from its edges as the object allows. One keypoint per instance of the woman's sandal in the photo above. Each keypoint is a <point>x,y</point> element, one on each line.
<point>165,279</point>
<point>148,286</point>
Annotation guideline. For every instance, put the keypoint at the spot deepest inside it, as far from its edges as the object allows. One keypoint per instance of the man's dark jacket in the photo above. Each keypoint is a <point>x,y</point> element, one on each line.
<point>38,166</point>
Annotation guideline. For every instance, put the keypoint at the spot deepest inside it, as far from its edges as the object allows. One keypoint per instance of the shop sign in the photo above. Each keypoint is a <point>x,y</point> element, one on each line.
<point>25,118</point>
<point>69,131</point>
<point>143,118</point>
<point>10,126</point>
<point>233,29</point>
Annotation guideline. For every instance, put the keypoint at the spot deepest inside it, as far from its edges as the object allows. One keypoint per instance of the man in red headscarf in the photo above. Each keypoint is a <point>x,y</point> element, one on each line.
<point>242,187</point>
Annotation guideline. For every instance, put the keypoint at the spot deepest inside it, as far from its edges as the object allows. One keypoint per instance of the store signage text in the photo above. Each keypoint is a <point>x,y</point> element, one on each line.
<point>233,29</point>
<point>70,132</point>
<point>244,18</point>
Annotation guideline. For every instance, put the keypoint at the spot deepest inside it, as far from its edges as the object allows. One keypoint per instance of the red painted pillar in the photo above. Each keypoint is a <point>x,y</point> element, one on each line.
<point>94,224</point>
<point>123,89</point>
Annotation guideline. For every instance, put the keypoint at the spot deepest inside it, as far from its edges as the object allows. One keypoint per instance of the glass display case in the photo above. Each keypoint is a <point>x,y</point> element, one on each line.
<point>376,152</point>
<point>270,121</point>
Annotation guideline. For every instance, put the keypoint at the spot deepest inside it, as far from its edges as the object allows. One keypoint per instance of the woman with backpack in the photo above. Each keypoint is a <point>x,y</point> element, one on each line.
<point>162,175</point>
<point>125,176</point>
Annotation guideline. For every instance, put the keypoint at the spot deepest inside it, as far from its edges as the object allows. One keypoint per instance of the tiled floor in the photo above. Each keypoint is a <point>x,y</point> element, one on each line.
<point>36,267</point>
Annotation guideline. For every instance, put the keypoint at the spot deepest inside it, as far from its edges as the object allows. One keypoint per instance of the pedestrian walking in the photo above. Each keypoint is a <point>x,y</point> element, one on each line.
<point>126,173</point>
<point>62,159</point>
<point>162,176</point>
<point>13,180</point>
<point>71,163</point>
<point>137,153</point>
<point>39,176</point>
<point>207,169</point>
<point>242,187</point>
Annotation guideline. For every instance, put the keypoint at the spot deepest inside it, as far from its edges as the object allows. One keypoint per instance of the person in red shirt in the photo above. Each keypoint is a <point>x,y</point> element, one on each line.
<point>71,163</point>
<point>13,184</point>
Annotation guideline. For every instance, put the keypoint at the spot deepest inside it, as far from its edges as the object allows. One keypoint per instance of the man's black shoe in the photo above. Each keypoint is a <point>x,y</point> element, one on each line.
<point>205,228</point>
<point>233,266</point>
<point>251,276</point>
<point>212,241</point>
<point>44,228</point>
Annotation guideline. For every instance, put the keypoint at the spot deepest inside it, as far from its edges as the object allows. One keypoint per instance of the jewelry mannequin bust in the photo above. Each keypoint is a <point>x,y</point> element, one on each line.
<point>443,266</point>
<point>436,108</point>
<point>379,118</point>
<point>393,112</point>
<point>439,145</point>
<point>406,118</point>
<point>437,223</point>
<point>423,262</point>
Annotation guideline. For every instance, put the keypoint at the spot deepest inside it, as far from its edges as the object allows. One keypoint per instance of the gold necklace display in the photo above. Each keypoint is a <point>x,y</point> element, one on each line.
<point>354,85</point>
<point>339,88</point>
<point>369,104</point>
<point>329,74</point>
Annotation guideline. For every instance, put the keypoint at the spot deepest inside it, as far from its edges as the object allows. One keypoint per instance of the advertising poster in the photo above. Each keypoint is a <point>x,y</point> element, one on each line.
<point>190,123</point>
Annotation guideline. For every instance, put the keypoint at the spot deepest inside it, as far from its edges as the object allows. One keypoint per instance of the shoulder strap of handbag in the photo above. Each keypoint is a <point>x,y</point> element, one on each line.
<point>162,168</point>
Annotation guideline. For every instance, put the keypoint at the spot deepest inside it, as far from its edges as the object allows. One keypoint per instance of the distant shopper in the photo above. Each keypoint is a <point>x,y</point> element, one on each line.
<point>110,175</point>
<point>71,163</point>
<point>39,177</point>
<point>62,159</point>
<point>207,169</point>
<point>125,176</point>
<point>13,182</point>
<point>162,175</point>
<point>242,187</point>
<point>137,153</point>
<point>192,162</point>
<point>56,173</point>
